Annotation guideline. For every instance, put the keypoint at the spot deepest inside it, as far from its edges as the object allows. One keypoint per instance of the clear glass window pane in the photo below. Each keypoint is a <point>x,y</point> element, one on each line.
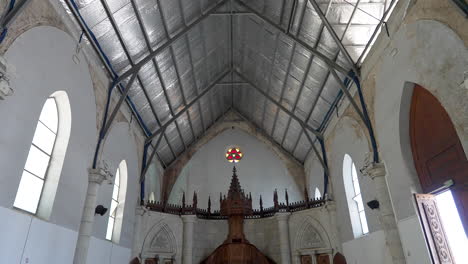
<point>49,114</point>
<point>117,178</point>
<point>110,228</point>
<point>113,208</point>
<point>359,203</point>
<point>362,216</point>
<point>29,192</point>
<point>115,193</point>
<point>354,172</point>
<point>357,189</point>
<point>44,138</point>
<point>37,162</point>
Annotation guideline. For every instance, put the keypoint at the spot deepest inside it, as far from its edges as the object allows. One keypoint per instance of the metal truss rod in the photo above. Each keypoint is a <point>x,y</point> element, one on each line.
<point>188,105</point>
<point>153,153</point>
<point>334,35</point>
<point>348,95</point>
<point>169,42</point>
<point>11,15</point>
<point>324,165</point>
<point>297,40</point>
<point>264,134</point>
<point>318,134</point>
<point>108,122</point>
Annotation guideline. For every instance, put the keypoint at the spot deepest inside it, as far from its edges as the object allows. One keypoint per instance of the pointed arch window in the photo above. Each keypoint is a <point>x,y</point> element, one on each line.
<point>354,197</point>
<point>114,224</point>
<point>37,164</point>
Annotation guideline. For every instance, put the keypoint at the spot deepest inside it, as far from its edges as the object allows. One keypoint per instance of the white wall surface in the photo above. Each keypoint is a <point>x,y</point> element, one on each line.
<point>40,63</point>
<point>260,172</point>
<point>427,53</point>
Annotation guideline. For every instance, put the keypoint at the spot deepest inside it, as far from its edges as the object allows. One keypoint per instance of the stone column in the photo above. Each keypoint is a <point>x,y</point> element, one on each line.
<point>331,209</point>
<point>187,246</point>
<point>96,177</point>
<point>137,231</point>
<point>283,229</point>
<point>386,214</point>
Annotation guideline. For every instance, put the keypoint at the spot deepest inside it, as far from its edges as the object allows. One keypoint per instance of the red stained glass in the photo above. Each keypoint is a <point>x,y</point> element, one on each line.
<point>234,155</point>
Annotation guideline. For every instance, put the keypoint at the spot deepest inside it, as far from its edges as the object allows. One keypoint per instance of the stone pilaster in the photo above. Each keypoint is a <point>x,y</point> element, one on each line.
<point>331,210</point>
<point>95,178</point>
<point>377,172</point>
<point>283,229</point>
<point>137,245</point>
<point>187,246</point>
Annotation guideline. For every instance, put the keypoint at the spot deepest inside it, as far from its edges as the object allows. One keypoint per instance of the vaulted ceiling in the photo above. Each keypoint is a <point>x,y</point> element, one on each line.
<point>187,62</point>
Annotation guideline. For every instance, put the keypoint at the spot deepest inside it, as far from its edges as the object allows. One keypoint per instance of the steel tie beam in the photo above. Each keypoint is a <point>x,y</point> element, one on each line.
<point>168,43</point>
<point>265,134</point>
<point>333,34</point>
<point>318,134</point>
<point>348,95</point>
<point>119,103</point>
<point>189,104</point>
<point>11,15</point>
<point>297,40</point>
<point>322,26</point>
<point>324,165</point>
<point>153,153</point>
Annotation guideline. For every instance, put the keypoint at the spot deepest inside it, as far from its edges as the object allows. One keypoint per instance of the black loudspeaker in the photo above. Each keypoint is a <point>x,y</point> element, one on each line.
<point>100,210</point>
<point>374,204</point>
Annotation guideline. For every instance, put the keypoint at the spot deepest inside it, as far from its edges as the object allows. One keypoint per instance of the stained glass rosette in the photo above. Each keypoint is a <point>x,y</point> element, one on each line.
<point>234,155</point>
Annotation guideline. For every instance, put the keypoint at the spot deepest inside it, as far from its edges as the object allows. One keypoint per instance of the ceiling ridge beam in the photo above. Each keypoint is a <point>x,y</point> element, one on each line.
<point>302,123</point>
<point>168,43</point>
<point>178,114</point>
<point>302,43</point>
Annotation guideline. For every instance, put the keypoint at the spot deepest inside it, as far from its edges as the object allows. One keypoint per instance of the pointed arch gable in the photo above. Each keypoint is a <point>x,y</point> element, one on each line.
<point>232,120</point>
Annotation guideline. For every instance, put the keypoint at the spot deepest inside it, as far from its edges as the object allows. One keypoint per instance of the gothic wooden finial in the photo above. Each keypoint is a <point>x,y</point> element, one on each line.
<point>195,200</point>
<point>286,196</point>
<point>261,204</point>
<point>209,205</point>
<point>183,200</point>
<point>275,198</point>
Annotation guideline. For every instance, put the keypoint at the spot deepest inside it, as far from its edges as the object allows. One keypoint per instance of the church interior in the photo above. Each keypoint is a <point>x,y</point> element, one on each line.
<point>234,131</point>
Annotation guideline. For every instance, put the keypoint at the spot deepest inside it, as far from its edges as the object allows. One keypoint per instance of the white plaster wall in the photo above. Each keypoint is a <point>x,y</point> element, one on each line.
<point>432,55</point>
<point>367,249</point>
<point>260,172</point>
<point>263,233</point>
<point>40,63</point>
<point>120,145</point>
<point>208,235</point>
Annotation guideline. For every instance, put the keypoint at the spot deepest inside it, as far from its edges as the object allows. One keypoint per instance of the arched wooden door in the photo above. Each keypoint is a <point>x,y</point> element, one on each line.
<point>437,151</point>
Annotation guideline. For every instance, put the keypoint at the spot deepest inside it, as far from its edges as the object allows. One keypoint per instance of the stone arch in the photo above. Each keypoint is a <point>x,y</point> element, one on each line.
<point>420,57</point>
<point>310,235</point>
<point>160,240</point>
<point>232,120</point>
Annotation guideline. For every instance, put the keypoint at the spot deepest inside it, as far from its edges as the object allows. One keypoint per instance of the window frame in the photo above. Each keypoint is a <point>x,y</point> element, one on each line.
<point>356,207</point>
<point>50,156</point>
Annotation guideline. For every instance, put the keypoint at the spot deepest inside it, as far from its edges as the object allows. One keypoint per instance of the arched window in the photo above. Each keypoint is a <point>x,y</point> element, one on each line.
<point>114,224</point>
<point>41,173</point>
<point>317,194</point>
<point>354,197</point>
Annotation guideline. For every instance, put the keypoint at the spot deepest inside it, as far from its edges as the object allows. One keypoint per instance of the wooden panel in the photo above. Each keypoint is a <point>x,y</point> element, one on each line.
<point>437,151</point>
<point>339,259</point>
<point>323,259</point>
<point>433,229</point>
<point>306,259</point>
